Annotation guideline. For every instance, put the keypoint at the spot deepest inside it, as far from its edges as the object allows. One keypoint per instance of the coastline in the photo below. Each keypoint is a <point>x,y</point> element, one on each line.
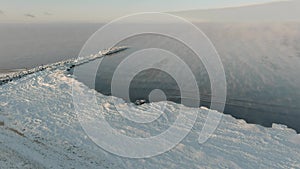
<point>8,71</point>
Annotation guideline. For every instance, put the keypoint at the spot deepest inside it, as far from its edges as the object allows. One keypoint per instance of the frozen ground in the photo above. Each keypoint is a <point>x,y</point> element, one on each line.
<point>39,129</point>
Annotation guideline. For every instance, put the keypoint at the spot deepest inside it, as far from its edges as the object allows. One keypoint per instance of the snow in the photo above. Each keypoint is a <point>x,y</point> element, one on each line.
<point>41,130</point>
<point>295,139</point>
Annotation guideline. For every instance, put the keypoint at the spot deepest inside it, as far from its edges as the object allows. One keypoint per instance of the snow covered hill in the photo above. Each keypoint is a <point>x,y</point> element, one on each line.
<point>39,129</point>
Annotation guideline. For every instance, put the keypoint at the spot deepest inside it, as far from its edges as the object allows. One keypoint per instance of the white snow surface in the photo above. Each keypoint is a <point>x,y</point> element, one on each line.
<point>39,129</point>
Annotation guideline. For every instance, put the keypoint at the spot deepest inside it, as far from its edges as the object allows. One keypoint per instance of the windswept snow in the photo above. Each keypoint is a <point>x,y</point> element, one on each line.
<point>39,129</point>
<point>4,78</point>
<point>295,139</point>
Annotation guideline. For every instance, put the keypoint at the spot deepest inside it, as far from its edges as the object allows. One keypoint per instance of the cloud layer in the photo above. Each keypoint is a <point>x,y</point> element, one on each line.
<point>29,15</point>
<point>277,11</point>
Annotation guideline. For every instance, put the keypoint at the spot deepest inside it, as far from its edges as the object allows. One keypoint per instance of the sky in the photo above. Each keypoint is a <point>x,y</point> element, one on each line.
<point>101,10</point>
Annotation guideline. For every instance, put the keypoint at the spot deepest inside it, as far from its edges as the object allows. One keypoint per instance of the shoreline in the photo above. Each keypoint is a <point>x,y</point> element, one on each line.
<point>8,71</point>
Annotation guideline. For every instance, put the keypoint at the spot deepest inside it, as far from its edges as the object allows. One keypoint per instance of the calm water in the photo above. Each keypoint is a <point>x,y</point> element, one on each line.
<point>30,45</point>
<point>261,64</point>
<point>261,61</point>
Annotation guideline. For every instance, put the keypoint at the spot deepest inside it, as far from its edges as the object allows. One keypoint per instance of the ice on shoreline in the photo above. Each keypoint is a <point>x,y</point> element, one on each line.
<point>41,130</point>
<point>7,77</point>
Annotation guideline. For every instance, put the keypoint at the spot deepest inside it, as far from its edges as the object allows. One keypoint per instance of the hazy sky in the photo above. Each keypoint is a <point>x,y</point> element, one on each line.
<point>100,10</point>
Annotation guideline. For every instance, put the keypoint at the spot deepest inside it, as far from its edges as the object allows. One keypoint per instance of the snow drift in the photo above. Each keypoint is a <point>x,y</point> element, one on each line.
<point>39,129</point>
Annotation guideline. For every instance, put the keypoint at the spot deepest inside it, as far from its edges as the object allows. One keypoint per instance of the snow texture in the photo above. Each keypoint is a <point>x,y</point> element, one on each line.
<point>39,129</point>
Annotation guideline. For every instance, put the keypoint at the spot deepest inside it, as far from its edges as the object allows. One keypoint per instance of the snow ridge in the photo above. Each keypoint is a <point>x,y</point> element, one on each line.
<point>70,63</point>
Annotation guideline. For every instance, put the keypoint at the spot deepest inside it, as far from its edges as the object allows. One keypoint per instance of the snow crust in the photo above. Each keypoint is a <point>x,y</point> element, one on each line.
<point>39,129</point>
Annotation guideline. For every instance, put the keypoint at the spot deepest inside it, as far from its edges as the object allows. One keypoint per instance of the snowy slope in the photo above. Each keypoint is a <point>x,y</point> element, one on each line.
<point>39,129</point>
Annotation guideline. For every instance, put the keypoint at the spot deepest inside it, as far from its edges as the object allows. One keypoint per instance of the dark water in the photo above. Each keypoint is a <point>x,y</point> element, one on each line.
<point>30,45</point>
<point>261,62</point>
<point>261,71</point>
